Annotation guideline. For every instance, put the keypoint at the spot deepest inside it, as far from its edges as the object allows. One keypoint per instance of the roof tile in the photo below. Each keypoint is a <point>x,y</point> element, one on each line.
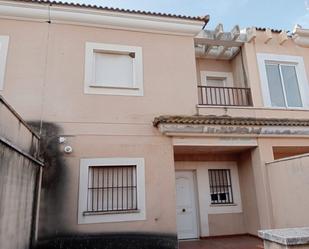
<point>228,120</point>
<point>140,12</point>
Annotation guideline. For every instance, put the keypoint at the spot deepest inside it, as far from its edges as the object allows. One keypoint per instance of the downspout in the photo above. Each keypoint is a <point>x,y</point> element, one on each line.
<point>249,93</point>
<point>243,68</point>
<point>38,185</point>
<point>36,208</point>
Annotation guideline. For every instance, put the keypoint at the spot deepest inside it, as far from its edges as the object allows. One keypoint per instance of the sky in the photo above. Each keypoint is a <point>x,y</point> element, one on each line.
<point>276,14</point>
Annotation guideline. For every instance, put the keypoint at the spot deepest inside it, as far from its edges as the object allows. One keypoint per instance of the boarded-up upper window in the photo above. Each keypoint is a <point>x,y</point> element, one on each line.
<point>113,70</point>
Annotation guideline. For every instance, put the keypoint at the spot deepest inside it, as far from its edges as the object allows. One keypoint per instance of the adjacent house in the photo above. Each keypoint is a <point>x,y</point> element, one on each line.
<point>155,127</point>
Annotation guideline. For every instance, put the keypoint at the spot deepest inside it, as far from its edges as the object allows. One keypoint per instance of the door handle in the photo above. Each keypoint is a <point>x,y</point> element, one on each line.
<point>183,210</point>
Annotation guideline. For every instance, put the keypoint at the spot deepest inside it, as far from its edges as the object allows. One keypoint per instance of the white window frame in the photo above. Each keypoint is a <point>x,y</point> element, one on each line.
<point>135,215</point>
<point>298,62</point>
<point>4,45</point>
<point>236,207</point>
<point>216,190</point>
<point>216,74</point>
<point>91,88</point>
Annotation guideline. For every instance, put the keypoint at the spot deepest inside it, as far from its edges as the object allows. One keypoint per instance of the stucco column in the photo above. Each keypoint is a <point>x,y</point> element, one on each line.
<point>260,155</point>
<point>252,72</point>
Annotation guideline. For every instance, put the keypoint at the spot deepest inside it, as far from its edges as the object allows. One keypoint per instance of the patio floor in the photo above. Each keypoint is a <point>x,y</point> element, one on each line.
<point>234,242</point>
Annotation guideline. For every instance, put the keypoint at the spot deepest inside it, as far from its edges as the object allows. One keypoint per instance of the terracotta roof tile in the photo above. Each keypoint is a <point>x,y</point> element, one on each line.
<point>228,120</point>
<point>272,30</point>
<point>140,12</point>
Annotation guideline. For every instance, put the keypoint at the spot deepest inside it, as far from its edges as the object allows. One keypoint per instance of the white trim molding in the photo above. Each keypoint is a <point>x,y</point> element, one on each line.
<point>236,207</point>
<point>90,87</point>
<point>99,18</point>
<point>4,45</point>
<point>298,61</point>
<point>139,214</point>
<point>227,75</point>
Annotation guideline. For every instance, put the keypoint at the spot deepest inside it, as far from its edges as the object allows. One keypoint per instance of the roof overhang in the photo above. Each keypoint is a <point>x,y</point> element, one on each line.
<point>46,11</point>
<point>230,126</point>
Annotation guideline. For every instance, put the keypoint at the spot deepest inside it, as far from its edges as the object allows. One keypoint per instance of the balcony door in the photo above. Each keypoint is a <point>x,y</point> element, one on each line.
<point>215,81</point>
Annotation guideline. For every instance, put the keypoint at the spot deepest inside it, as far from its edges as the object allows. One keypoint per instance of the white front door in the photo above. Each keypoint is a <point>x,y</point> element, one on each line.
<point>186,205</point>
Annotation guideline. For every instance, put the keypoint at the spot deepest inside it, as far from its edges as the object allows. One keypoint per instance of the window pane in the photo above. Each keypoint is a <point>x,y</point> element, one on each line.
<point>220,184</point>
<point>112,188</point>
<point>274,85</point>
<point>215,81</point>
<point>115,70</point>
<point>291,86</point>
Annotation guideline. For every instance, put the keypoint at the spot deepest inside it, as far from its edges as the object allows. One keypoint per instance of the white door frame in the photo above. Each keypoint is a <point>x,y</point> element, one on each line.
<point>195,201</point>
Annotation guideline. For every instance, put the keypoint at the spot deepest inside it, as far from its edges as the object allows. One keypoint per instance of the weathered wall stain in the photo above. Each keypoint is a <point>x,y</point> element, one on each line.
<point>218,129</point>
<point>54,233</point>
<point>53,180</point>
<point>112,241</point>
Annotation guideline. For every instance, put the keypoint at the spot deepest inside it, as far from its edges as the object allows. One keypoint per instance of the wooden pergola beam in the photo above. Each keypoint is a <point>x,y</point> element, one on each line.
<point>225,43</point>
<point>219,31</point>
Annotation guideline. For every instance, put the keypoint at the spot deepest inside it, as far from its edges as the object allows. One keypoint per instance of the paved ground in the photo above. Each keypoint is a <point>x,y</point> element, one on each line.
<point>235,242</point>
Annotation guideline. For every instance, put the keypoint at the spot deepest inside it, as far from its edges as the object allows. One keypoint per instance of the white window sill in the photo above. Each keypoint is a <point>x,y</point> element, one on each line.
<point>224,205</point>
<point>114,87</point>
<point>256,108</point>
<point>288,108</point>
<point>88,213</point>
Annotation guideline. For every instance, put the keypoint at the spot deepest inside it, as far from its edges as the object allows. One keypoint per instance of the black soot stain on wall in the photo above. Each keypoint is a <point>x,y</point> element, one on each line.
<point>53,180</point>
<point>112,241</point>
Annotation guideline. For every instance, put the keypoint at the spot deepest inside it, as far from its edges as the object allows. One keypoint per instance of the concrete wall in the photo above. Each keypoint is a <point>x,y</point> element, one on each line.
<point>19,180</point>
<point>52,62</point>
<point>248,194</point>
<point>211,65</point>
<point>288,180</point>
<point>226,224</point>
<point>213,220</point>
<point>60,208</point>
<point>233,66</point>
<point>260,156</point>
<point>45,81</point>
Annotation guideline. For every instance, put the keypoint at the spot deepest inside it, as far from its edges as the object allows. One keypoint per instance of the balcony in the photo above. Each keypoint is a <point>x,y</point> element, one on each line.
<point>224,96</point>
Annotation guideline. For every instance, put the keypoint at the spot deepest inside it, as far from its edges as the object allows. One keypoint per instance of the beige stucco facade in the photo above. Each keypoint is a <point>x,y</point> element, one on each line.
<point>44,82</point>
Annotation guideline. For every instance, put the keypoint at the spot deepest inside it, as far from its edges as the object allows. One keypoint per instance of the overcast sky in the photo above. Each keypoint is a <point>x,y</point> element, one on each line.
<point>277,14</point>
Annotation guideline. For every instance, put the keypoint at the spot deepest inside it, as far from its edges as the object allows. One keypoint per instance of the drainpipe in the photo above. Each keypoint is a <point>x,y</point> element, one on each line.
<point>36,209</point>
<point>243,68</point>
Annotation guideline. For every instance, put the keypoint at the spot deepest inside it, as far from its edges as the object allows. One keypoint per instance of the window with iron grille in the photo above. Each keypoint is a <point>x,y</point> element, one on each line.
<point>221,191</point>
<point>112,189</point>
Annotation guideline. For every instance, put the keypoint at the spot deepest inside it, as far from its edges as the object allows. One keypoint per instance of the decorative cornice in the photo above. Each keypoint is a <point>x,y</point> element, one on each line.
<point>54,12</point>
<point>228,120</point>
<point>230,126</point>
